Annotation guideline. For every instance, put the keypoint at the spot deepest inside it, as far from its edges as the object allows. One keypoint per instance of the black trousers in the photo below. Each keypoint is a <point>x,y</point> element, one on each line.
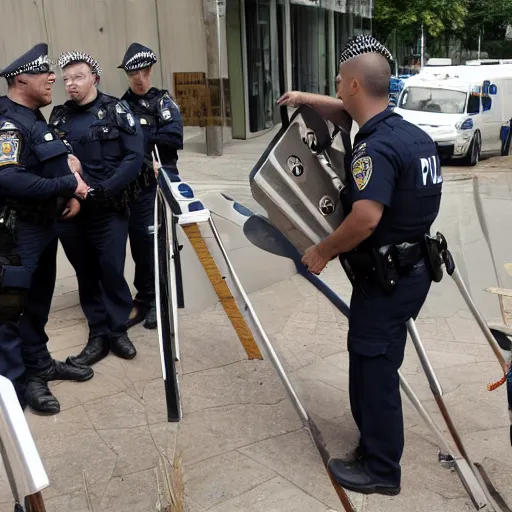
<point>23,342</point>
<point>376,343</point>
<point>95,244</point>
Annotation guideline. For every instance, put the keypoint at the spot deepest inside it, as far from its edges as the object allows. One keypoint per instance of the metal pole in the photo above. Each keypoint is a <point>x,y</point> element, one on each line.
<point>480,319</point>
<point>269,349</point>
<point>214,132</point>
<point>479,42</point>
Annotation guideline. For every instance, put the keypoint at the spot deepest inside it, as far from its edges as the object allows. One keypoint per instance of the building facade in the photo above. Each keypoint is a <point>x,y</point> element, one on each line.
<point>278,45</point>
<point>263,48</point>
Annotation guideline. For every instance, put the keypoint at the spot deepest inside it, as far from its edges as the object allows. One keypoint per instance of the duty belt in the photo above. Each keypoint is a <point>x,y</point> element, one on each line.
<point>383,264</point>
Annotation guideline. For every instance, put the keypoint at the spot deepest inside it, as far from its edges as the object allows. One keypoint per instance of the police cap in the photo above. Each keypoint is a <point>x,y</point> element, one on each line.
<point>34,62</point>
<point>358,45</point>
<point>138,57</point>
<point>68,58</point>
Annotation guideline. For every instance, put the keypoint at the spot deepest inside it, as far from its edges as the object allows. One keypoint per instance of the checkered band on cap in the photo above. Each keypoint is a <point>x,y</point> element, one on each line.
<point>39,65</point>
<point>358,45</point>
<point>67,58</point>
<point>140,60</point>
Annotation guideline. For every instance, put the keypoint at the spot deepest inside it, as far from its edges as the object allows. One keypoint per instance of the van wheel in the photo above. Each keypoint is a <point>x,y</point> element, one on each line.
<point>473,156</point>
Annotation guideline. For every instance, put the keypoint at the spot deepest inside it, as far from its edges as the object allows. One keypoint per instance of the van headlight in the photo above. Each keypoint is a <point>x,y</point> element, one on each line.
<point>465,124</point>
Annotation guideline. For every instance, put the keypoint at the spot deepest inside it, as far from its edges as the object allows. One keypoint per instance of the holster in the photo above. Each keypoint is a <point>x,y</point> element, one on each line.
<point>14,283</point>
<point>384,265</point>
<point>433,259</point>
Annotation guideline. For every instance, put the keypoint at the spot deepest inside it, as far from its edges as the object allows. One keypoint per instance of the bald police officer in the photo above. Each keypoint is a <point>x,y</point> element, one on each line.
<point>36,187</point>
<point>391,200</point>
<point>162,125</point>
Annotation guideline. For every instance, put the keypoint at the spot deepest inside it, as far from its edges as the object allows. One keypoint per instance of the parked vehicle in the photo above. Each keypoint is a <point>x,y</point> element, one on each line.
<point>466,110</point>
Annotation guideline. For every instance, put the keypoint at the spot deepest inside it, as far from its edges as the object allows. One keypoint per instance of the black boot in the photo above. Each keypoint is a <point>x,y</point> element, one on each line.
<point>39,396</point>
<point>137,314</point>
<point>353,476</point>
<point>70,370</point>
<point>150,322</point>
<point>121,346</point>
<point>97,348</point>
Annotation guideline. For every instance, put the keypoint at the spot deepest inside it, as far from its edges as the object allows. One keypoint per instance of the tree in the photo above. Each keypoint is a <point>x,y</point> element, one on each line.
<point>396,18</point>
<point>490,20</point>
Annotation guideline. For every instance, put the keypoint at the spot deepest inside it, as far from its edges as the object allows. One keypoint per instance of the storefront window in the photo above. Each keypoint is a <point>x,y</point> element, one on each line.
<point>310,49</point>
<point>259,65</point>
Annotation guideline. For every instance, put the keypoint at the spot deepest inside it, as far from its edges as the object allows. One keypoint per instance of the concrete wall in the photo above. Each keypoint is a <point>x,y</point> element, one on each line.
<point>174,29</point>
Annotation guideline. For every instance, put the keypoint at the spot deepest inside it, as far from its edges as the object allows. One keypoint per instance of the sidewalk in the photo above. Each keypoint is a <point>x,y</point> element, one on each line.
<point>241,443</point>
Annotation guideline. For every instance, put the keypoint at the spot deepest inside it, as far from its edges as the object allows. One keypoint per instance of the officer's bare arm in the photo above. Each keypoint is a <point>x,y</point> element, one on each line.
<point>357,227</point>
<point>328,107</point>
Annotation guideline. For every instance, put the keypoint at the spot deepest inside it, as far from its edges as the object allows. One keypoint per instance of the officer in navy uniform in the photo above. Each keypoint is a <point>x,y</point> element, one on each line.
<point>162,124</point>
<point>391,200</point>
<point>37,185</point>
<point>109,143</point>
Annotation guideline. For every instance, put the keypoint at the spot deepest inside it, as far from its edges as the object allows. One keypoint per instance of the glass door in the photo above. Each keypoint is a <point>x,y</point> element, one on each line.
<point>261,32</point>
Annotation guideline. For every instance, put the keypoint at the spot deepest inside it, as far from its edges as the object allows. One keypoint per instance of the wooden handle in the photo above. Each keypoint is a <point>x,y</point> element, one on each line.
<point>35,503</point>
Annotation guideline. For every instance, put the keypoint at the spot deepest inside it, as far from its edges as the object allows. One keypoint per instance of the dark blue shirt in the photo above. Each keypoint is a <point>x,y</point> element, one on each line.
<point>33,160</point>
<point>161,122</point>
<point>396,164</point>
<point>105,138</point>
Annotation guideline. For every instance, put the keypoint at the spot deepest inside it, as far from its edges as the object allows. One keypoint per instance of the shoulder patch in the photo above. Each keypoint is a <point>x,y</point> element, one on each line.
<point>166,105</point>
<point>125,117</point>
<point>10,146</point>
<point>362,169</point>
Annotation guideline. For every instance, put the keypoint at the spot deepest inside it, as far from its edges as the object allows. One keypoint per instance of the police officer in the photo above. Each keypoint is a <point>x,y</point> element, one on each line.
<point>161,122</point>
<point>36,186</point>
<point>109,143</point>
<point>391,200</point>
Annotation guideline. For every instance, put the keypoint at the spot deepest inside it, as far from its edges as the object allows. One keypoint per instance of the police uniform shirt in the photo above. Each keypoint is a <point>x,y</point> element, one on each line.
<point>396,164</point>
<point>161,122</point>
<point>105,138</point>
<point>33,160</point>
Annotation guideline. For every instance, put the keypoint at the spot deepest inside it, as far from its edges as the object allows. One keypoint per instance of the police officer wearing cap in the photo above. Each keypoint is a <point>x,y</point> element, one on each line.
<point>37,185</point>
<point>109,143</point>
<point>391,200</point>
<point>162,124</point>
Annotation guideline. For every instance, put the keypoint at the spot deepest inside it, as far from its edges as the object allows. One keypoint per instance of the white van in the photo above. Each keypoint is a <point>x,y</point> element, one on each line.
<point>465,109</point>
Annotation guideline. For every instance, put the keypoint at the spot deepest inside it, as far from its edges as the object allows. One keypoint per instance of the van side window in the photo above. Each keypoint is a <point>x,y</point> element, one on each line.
<point>473,104</point>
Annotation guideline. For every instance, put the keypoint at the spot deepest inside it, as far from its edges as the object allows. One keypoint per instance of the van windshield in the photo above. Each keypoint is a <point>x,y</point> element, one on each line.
<point>425,99</point>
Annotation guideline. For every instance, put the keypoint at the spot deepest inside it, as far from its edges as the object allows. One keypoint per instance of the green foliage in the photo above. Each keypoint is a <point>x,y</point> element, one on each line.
<point>464,19</point>
<point>437,16</point>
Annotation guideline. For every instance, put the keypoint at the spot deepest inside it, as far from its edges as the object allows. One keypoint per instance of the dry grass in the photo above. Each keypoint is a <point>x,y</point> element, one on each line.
<point>171,491</point>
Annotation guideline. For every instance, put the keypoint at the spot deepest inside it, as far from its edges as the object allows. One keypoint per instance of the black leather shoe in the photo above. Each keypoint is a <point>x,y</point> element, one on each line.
<point>97,348</point>
<point>150,322</point>
<point>70,370</point>
<point>39,396</point>
<point>121,346</point>
<point>137,314</point>
<point>353,476</point>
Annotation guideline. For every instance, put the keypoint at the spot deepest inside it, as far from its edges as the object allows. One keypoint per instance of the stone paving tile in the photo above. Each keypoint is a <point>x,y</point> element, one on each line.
<point>137,492</point>
<point>277,495</point>
<point>212,432</point>
<point>71,502</point>
<point>294,457</point>
<point>254,382</point>
<point>221,478</point>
